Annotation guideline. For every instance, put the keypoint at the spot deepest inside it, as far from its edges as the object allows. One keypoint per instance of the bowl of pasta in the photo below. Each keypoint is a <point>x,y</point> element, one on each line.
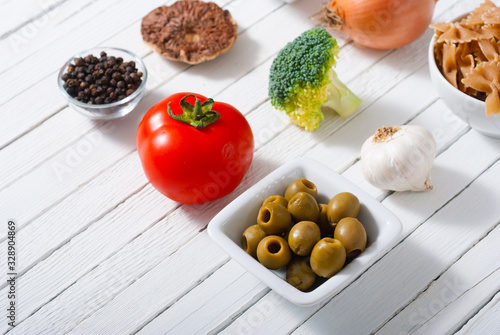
<point>464,65</point>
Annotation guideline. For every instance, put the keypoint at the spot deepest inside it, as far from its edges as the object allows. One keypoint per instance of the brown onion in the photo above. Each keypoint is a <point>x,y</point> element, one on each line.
<point>378,24</point>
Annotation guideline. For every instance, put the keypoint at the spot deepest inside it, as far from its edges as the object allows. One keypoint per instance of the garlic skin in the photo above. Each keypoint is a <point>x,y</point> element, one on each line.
<point>399,158</point>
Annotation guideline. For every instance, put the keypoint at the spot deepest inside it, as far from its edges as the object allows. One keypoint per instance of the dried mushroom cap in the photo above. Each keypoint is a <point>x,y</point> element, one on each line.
<point>189,31</point>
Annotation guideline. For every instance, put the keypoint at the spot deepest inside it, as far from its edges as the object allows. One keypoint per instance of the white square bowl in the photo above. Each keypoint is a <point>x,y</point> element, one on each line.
<point>226,228</point>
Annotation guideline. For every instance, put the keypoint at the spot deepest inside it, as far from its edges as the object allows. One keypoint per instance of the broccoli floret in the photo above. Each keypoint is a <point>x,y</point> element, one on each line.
<point>302,80</point>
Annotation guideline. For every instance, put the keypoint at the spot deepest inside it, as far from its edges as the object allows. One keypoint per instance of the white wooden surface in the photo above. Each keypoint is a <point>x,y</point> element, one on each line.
<point>100,251</point>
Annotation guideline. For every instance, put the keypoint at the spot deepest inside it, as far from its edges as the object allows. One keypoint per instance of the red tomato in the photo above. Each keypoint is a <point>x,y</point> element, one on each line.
<point>194,165</point>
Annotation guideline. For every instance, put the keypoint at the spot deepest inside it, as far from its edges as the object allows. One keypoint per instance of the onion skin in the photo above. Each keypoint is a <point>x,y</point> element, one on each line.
<point>379,24</point>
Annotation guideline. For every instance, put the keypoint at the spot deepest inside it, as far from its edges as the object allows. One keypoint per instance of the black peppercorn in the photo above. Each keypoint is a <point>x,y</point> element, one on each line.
<point>101,80</point>
<point>78,61</point>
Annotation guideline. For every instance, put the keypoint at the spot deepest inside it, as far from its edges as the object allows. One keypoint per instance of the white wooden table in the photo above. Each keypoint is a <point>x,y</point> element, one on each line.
<point>100,251</point>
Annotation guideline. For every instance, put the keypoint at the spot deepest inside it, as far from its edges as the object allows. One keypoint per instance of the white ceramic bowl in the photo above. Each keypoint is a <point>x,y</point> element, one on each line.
<point>381,225</point>
<point>113,110</point>
<point>469,109</point>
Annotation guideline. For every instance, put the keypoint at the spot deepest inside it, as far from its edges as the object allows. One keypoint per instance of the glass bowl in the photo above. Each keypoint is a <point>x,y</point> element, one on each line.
<point>226,228</point>
<point>115,109</point>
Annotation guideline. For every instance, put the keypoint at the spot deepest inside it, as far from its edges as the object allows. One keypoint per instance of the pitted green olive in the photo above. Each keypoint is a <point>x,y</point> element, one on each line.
<point>274,218</point>
<point>277,199</point>
<point>324,225</point>
<point>343,205</point>
<point>273,252</point>
<point>251,238</point>
<point>301,185</point>
<point>303,207</point>
<point>303,236</point>
<point>299,274</point>
<point>352,234</point>
<point>327,257</point>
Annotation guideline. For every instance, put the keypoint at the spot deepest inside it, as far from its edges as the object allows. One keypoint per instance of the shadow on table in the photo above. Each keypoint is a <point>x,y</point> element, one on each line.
<point>388,287</point>
<point>124,129</point>
<point>233,64</point>
<point>204,213</point>
<point>445,189</point>
<point>416,272</point>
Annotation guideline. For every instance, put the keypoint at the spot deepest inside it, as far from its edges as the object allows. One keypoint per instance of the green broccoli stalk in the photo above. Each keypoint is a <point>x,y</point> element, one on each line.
<point>302,80</point>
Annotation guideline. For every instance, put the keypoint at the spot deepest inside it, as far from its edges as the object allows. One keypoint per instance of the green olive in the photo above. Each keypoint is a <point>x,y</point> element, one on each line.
<point>274,218</point>
<point>299,274</point>
<point>303,207</point>
<point>328,257</point>
<point>303,236</point>
<point>277,199</point>
<point>325,226</point>
<point>273,252</point>
<point>352,234</point>
<point>251,238</point>
<point>301,185</point>
<point>343,205</point>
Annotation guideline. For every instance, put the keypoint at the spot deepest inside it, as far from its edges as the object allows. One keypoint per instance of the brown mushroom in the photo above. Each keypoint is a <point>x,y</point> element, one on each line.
<point>189,31</point>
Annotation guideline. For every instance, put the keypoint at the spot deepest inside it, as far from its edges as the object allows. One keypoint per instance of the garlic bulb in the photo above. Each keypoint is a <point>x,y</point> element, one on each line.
<point>399,158</point>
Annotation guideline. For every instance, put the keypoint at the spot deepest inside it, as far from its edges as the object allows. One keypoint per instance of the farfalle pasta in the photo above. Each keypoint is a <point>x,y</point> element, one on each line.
<point>485,78</point>
<point>468,54</point>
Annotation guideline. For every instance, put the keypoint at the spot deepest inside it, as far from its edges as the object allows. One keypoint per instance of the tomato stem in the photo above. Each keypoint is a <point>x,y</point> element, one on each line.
<point>198,115</point>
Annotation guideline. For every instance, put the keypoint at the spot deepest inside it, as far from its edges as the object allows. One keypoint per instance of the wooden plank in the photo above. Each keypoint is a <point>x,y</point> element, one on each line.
<point>15,15</point>
<point>210,300</point>
<point>46,96</point>
<point>280,147</point>
<point>60,239</point>
<point>284,155</point>
<point>110,278</point>
<point>371,86</point>
<point>413,209</point>
<point>76,213</point>
<point>73,28</point>
<point>431,249</point>
<point>126,265</point>
<point>61,174</point>
<point>28,152</point>
<point>455,295</point>
<point>49,228</point>
<point>395,107</point>
<point>439,120</point>
<point>73,126</point>
<point>156,283</point>
<point>88,34</point>
<point>431,117</point>
<point>294,142</point>
<point>45,93</point>
<point>109,152</point>
<point>486,321</point>
<point>84,252</point>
